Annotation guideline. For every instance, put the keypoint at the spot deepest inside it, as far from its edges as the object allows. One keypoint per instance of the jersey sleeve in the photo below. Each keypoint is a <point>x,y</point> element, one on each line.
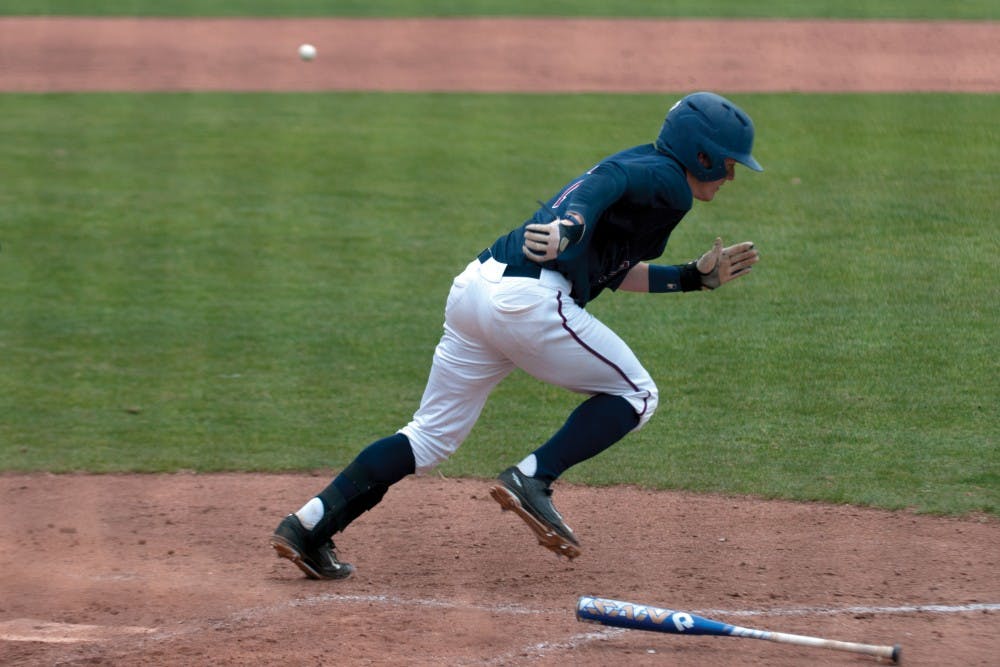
<point>590,196</point>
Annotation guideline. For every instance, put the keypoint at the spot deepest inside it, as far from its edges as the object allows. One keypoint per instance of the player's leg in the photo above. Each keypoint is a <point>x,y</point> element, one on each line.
<point>460,380</point>
<point>576,351</point>
<point>466,368</point>
<point>462,375</point>
<point>305,537</point>
<point>583,355</point>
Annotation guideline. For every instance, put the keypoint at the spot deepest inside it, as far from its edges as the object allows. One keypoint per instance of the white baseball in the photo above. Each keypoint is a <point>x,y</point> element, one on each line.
<point>307,52</point>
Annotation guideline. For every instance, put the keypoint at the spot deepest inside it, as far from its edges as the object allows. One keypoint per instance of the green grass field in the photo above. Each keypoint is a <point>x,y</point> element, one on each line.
<point>256,282</point>
<point>865,9</point>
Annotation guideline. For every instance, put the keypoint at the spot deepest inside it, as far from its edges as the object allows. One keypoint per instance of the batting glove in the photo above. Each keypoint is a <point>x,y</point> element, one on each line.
<point>544,242</point>
<point>720,265</point>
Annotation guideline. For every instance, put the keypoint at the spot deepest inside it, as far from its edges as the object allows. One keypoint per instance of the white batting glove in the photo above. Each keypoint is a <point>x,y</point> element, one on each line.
<point>720,265</point>
<point>544,242</point>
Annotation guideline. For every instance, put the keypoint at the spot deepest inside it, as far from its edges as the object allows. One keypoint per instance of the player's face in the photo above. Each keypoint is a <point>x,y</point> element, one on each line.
<point>705,190</point>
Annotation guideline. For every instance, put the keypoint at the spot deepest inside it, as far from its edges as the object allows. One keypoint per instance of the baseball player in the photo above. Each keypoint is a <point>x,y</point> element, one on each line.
<point>521,304</point>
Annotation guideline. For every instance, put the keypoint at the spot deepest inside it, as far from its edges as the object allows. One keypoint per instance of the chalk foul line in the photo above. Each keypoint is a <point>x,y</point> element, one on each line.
<point>395,600</point>
<point>829,611</point>
<point>35,630</point>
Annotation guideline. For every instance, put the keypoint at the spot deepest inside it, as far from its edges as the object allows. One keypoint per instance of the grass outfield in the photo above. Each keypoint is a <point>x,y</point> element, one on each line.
<point>862,9</point>
<point>256,282</point>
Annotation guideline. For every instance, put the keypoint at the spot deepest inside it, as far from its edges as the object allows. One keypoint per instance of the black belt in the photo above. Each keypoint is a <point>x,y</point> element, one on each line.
<point>512,271</point>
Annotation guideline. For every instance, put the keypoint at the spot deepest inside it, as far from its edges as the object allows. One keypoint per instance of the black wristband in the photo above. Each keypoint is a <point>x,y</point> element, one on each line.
<point>690,276</point>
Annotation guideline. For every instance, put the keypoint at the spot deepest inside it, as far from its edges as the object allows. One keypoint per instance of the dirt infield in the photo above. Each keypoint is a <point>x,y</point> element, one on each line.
<point>166,569</point>
<point>173,570</point>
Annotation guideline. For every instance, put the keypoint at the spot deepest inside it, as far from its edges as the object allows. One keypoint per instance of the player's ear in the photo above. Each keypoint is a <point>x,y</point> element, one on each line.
<point>705,160</point>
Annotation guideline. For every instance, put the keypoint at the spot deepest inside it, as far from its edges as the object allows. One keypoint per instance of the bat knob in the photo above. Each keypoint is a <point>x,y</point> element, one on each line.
<point>896,650</point>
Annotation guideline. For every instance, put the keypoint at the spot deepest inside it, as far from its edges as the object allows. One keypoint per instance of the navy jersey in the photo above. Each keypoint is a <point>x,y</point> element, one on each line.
<point>631,201</point>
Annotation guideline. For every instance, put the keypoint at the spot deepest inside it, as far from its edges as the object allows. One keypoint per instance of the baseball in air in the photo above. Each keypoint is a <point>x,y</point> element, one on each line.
<point>307,52</point>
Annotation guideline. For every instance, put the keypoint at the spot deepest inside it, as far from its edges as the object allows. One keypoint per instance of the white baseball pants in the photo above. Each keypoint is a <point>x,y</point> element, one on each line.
<point>494,324</point>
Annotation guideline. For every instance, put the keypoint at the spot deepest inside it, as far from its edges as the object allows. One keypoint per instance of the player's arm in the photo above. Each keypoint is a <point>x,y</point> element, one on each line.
<point>586,200</point>
<point>715,268</point>
<point>645,277</point>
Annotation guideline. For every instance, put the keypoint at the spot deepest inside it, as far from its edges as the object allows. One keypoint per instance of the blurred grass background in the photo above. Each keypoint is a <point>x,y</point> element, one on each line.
<point>257,282</point>
<point>860,9</point>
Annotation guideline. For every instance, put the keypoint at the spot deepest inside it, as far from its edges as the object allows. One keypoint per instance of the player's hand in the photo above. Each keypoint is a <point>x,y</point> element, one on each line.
<point>543,242</point>
<point>720,265</point>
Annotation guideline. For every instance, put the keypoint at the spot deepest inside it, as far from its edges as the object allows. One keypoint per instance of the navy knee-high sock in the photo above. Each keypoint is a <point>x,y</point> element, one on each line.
<point>362,484</point>
<point>385,461</point>
<point>596,424</point>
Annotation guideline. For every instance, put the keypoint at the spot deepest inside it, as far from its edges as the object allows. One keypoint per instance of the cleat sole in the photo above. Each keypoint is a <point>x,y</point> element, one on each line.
<point>286,550</point>
<point>547,537</point>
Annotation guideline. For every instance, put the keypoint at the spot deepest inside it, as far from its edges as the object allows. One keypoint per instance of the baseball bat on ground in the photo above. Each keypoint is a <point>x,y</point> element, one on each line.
<point>643,617</point>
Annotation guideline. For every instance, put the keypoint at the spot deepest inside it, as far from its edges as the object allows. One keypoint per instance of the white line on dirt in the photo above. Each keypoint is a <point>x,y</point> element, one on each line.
<point>826,611</point>
<point>27,629</point>
<point>395,600</point>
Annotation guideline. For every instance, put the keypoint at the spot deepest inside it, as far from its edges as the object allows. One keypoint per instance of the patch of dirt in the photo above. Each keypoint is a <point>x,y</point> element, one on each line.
<point>176,569</point>
<point>538,55</point>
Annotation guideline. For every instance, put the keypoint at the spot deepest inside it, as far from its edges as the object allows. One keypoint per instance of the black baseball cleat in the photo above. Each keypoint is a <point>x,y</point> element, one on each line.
<point>531,499</point>
<point>292,541</point>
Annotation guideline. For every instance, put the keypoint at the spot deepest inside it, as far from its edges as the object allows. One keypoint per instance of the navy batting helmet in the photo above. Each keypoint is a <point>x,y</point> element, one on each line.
<point>710,125</point>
